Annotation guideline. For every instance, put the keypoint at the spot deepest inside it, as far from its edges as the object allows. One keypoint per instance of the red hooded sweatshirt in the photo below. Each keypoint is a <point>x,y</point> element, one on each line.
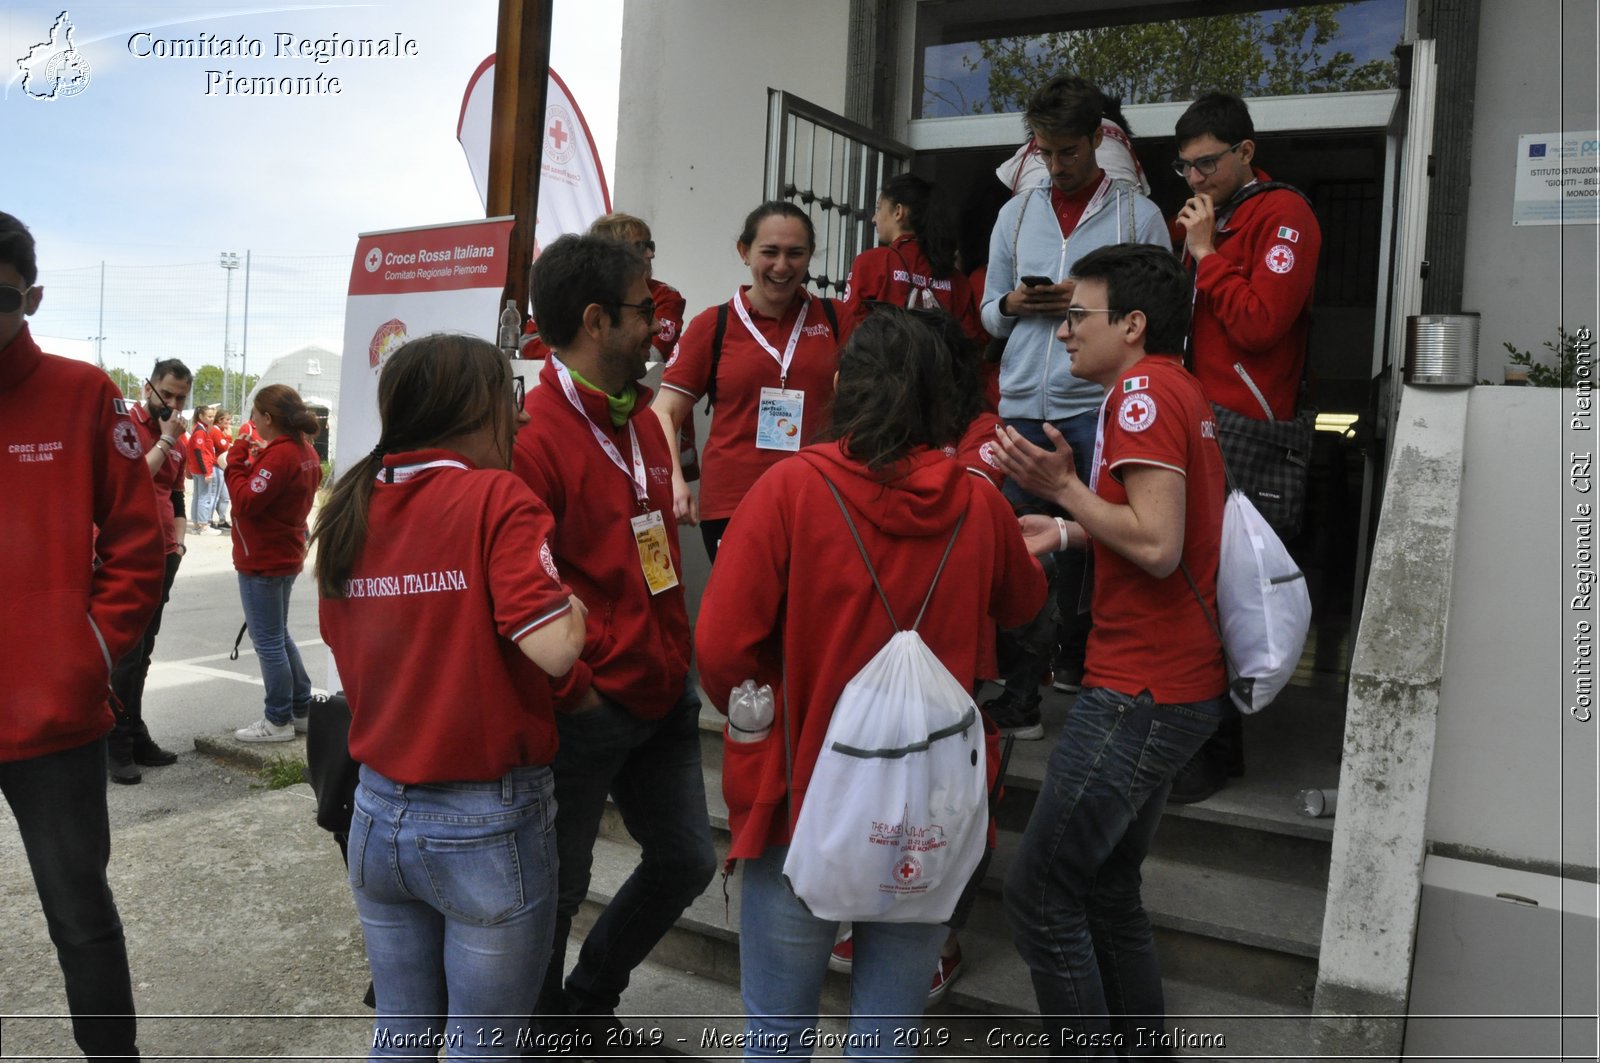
<point>71,461</point>
<point>790,594</point>
<point>271,497</point>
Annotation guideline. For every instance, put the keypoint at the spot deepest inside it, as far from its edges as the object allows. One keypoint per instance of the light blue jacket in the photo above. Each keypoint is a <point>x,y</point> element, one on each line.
<point>1035,380</point>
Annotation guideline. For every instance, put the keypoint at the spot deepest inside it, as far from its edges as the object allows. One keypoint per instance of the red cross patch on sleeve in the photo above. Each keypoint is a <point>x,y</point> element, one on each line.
<point>1137,412</point>
<point>1280,259</point>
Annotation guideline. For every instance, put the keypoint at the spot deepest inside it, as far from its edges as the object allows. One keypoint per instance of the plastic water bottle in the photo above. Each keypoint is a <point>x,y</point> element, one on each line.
<point>510,326</point>
<point>749,712</point>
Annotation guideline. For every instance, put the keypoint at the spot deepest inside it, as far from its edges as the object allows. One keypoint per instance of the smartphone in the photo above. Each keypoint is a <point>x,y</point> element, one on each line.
<point>1033,280</point>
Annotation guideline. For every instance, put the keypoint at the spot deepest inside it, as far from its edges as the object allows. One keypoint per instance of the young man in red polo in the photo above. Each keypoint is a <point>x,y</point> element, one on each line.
<point>1151,513</point>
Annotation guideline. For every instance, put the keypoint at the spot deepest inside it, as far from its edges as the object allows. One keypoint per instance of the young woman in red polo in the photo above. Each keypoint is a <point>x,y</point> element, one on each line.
<point>446,616</point>
<point>765,360</point>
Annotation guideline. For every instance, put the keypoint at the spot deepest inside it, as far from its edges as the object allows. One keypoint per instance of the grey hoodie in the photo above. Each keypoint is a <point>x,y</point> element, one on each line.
<point>1035,380</point>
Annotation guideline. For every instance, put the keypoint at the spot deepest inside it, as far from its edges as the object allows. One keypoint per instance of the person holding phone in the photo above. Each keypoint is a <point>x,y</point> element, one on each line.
<point>1037,239</point>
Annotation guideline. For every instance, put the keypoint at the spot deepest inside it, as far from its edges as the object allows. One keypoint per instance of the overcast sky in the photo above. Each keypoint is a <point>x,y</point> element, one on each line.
<point>155,163</point>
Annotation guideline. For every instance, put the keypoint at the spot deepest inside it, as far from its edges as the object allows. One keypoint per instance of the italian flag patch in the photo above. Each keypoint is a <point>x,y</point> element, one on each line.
<point>1286,233</point>
<point>1135,383</point>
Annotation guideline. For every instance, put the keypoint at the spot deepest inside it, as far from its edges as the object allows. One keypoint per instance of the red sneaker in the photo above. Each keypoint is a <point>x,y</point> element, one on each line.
<point>843,956</point>
<point>949,967</point>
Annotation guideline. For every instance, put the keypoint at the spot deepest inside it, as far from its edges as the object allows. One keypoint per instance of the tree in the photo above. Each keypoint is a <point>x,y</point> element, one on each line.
<point>1156,62</point>
<point>207,389</point>
<point>130,385</point>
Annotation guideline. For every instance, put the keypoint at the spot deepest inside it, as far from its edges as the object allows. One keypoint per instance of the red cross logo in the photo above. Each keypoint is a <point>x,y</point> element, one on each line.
<point>1138,412</point>
<point>1280,259</point>
<point>558,135</point>
<point>909,869</point>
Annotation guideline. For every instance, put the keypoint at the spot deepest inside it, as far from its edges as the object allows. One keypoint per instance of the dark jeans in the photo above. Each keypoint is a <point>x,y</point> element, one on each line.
<point>651,769</point>
<point>1058,621</point>
<point>1072,894</point>
<point>127,679</point>
<point>59,800</point>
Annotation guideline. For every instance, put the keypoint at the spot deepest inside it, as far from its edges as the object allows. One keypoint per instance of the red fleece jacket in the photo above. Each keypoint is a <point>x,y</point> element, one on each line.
<point>636,650</point>
<point>71,462</point>
<point>271,497</point>
<point>790,595</point>
<point>1252,304</point>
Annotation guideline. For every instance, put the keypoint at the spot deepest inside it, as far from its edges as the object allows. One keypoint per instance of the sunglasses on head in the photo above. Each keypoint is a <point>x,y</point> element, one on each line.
<point>11,299</point>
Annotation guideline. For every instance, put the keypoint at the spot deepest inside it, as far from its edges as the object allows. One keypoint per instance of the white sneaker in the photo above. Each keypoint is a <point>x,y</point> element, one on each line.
<point>264,730</point>
<point>302,724</point>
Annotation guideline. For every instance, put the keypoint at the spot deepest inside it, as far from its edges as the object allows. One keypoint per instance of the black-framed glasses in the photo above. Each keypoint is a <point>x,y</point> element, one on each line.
<point>519,392</point>
<point>1077,315</point>
<point>645,245</point>
<point>1206,164</point>
<point>647,308</point>
<point>11,299</point>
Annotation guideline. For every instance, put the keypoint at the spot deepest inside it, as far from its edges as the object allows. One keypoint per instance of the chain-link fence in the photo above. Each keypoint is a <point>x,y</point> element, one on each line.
<point>223,323</point>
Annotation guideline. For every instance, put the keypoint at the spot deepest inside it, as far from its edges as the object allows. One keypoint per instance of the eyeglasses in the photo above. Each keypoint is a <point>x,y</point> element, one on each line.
<point>1206,164</point>
<point>519,392</point>
<point>11,298</point>
<point>645,245</point>
<point>646,308</point>
<point>1076,315</point>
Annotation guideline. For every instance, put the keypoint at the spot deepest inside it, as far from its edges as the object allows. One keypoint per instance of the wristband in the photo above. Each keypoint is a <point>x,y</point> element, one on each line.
<point>1061,530</point>
<point>168,440</point>
<point>165,440</point>
<point>183,549</point>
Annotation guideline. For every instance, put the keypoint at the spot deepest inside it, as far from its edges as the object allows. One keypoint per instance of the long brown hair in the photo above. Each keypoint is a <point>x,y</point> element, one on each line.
<point>896,389</point>
<point>433,389</point>
<point>289,411</point>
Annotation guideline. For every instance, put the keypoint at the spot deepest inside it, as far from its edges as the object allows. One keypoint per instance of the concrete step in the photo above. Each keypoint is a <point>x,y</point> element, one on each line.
<point>988,1008</point>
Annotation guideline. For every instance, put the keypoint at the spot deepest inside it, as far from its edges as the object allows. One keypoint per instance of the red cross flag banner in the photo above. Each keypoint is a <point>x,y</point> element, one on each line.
<point>572,183</point>
<point>406,283</point>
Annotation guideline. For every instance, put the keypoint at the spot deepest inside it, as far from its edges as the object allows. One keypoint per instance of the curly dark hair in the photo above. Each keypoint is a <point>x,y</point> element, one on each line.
<point>896,390</point>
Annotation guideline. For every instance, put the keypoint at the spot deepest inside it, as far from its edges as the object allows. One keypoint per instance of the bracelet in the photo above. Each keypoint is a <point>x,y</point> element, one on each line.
<point>1061,530</point>
<point>165,440</point>
<point>168,440</point>
<point>183,549</point>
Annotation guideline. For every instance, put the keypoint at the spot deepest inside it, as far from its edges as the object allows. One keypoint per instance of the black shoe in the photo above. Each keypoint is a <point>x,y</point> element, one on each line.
<point>151,755</point>
<point>1068,677</point>
<point>1197,780</point>
<point>1017,720</point>
<point>127,772</point>
<point>601,1035</point>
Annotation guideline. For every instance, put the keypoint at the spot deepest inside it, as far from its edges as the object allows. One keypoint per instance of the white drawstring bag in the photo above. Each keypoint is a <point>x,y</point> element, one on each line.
<point>895,818</point>
<point>1263,605</point>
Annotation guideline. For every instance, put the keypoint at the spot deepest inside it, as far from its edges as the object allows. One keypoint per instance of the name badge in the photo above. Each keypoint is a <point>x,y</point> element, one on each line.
<point>655,554</point>
<point>778,419</point>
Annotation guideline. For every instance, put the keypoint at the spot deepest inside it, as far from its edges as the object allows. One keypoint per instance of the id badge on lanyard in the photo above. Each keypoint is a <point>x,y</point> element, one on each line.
<point>781,415</point>
<point>649,527</point>
<point>655,553</point>
<point>779,418</point>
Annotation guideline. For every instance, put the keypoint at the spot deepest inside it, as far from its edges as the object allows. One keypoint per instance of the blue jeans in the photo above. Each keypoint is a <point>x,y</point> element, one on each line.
<point>205,499</point>
<point>219,494</point>
<point>1072,893</point>
<point>59,800</point>
<point>651,769</point>
<point>455,886</point>
<point>1034,643</point>
<point>266,611</point>
<point>783,956</point>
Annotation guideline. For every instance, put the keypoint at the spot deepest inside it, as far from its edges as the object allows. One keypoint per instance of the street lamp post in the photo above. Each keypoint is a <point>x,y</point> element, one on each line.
<point>229,261</point>
<point>99,356</point>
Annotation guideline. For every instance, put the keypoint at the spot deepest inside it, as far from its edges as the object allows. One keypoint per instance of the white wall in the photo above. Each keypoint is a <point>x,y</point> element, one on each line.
<point>1514,773</point>
<point>1536,74</point>
<point>692,120</point>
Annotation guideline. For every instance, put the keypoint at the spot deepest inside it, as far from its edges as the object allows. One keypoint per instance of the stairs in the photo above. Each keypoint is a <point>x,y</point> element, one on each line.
<point>1234,886</point>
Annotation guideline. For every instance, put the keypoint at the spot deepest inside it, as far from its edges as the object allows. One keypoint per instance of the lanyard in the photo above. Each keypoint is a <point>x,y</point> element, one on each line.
<point>399,474</point>
<point>787,356</point>
<point>1100,440</point>
<point>637,474</point>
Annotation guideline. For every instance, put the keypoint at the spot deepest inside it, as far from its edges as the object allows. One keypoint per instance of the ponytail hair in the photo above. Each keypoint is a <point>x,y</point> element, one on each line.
<point>289,411</point>
<point>926,218</point>
<point>433,389</point>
